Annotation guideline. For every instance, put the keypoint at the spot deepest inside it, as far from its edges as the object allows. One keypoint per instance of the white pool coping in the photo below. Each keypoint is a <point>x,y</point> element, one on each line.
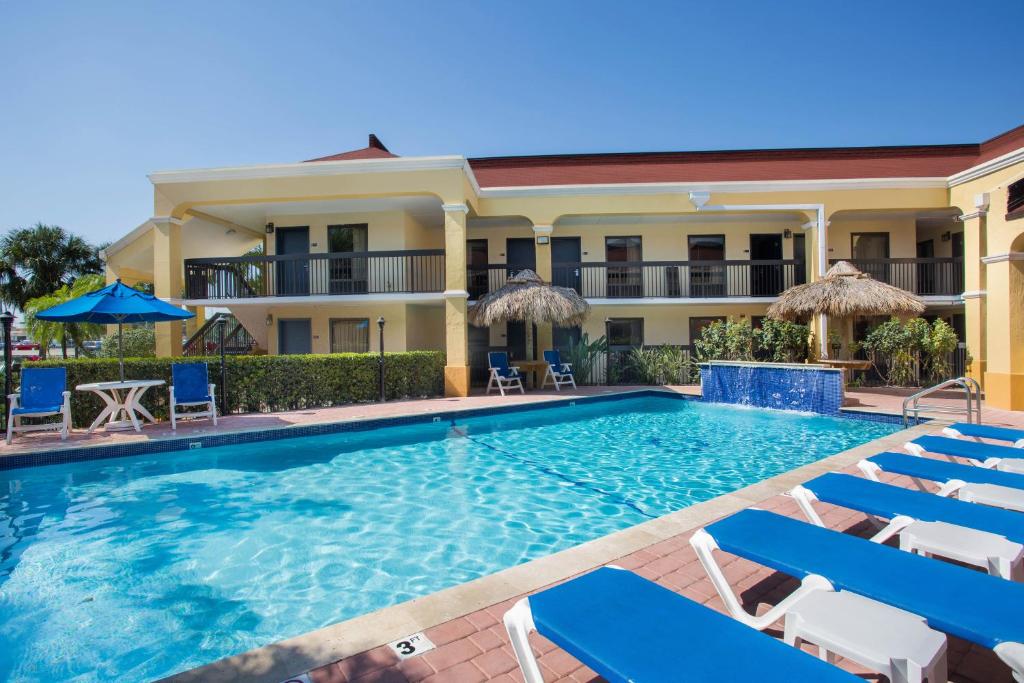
<point>287,658</point>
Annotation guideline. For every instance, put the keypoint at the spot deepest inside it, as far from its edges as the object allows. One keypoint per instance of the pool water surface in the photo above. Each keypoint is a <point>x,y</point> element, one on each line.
<point>140,567</point>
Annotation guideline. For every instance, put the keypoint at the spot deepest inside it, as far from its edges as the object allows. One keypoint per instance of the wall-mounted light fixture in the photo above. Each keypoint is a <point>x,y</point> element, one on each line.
<point>945,237</point>
<point>787,234</point>
<point>270,228</point>
<point>270,320</point>
<point>543,239</point>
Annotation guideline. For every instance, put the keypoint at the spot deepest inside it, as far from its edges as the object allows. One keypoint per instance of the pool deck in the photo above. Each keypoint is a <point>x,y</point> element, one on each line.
<point>464,621</point>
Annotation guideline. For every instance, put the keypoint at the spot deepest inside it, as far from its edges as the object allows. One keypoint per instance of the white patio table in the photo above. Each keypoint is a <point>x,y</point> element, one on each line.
<point>121,397</point>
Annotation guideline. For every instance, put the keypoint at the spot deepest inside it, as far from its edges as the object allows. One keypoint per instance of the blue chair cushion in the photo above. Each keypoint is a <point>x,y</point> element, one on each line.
<point>966,449</point>
<point>627,628</point>
<point>943,471</point>
<point>37,409</point>
<point>988,431</point>
<point>191,382</point>
<point>978,607</point>
<point>885,500</point>
<point>42,388</point>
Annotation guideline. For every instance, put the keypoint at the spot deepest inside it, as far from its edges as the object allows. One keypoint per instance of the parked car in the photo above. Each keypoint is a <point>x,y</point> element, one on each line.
<point>92,345</point>
<point>26,346</point>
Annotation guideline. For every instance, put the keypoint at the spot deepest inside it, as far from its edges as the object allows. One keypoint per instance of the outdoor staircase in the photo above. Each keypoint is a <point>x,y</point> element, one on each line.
<point>206,340</point>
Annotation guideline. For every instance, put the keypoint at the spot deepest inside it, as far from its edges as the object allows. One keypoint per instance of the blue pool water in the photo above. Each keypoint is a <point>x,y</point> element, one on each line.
<point>144,566</point>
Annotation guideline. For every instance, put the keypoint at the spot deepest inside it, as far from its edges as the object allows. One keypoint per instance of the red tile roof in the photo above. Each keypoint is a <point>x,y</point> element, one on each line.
<point>374,150</point>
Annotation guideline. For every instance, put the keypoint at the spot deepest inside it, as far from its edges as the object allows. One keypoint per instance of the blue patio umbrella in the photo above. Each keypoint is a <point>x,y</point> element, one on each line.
<point>115,304</point>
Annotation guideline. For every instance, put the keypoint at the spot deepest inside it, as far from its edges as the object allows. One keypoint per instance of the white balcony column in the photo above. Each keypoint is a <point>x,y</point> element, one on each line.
<point>167,278</point>
<point>456,295</point>
<point>542,249</point>
<point>975,284</point>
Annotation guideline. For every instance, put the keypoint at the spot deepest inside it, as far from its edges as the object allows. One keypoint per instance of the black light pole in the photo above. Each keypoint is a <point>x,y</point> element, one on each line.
<point>7,319</point>
<point>222,322</point>
<point>380,358</point>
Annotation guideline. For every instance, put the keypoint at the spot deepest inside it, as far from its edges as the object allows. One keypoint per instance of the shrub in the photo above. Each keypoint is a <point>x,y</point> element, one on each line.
<point>660,365</point>
<point>584,356</point>
<point>906,347</point>
<point>731,340</point>
<point>139,342</point>
<point>266,383</point>
<point>782,341</point>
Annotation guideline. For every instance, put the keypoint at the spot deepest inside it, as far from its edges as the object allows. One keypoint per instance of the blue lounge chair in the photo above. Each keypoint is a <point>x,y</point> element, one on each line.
<point>960,430</point>
<point>503,376</point>
<point>558,372</point>
<point>43,393</point>
<point>971,605</point>
<point>627,628</point>
<point>967,482</point>
<point>983,536</point>
<point>189,388</point>
<point>1002,458</point>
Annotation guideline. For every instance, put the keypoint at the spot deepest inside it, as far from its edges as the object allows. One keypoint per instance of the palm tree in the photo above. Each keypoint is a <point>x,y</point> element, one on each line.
<point>37,261</point>
<point>45,332</point>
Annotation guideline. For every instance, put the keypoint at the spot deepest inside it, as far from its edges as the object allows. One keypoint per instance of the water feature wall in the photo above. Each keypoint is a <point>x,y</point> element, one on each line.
<point>808,388</point>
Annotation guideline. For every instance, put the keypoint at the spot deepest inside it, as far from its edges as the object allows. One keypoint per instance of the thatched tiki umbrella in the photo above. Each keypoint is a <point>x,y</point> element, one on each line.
<point>525,297</point>
<point>844,292</point>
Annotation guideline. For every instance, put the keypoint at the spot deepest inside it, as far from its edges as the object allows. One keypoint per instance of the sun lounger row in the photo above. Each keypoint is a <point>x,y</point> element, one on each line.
<point>882,606</point>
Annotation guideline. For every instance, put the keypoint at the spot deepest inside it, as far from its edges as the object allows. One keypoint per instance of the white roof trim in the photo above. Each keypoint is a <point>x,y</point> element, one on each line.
<point>312,168</point>
<point>990,166</point>
<point>718,186</point>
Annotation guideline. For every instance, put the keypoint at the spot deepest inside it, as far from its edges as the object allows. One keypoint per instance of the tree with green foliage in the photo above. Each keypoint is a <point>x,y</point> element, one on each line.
<point>37,261</point>
<point>77,334</point>
<point>139,342</point>
<point>908,347</point>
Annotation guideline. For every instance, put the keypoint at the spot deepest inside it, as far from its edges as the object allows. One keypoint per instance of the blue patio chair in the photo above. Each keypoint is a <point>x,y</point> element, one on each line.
<point>979,535</point>
<point>961,430</point>
<point>966,482</point>
<point>189,388</point>
<point>43,393</point>
<point>558,372</point>
<point>627,628</point>
<point>971,605</point>
<point>987,455</point>
<point>503,376</point>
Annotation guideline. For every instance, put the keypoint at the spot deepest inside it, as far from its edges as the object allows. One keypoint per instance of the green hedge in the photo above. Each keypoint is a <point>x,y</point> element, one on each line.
<point>266,383</point>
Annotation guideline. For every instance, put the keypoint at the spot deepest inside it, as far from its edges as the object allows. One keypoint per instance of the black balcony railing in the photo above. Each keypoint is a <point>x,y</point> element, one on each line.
<point>483,279</point>
<point>923,276</point>
<point>678,279</point>
<point>368,272</point>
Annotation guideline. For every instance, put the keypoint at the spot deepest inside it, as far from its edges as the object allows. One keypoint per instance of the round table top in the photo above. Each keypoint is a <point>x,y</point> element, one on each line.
<point>127,384</point>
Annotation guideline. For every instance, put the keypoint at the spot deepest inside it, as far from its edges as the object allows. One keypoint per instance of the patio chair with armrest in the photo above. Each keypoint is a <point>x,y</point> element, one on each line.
<point>43,393</point>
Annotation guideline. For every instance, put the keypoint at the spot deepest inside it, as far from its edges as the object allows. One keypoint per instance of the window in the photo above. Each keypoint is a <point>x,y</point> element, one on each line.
<point>624,281</point>
<point>564,338</point>
<point>625,333</point>
<point>869,250</point>
<point>707,280</point>
<point>348,274</point>
<point>1015,200</point>
<point>350,335</point>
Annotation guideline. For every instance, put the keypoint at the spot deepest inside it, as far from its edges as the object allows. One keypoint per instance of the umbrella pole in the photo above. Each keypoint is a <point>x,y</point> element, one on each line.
<point>120,349</point>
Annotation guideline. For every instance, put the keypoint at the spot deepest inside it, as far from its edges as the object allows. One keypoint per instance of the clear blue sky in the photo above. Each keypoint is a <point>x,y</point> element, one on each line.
<point>97,94</point>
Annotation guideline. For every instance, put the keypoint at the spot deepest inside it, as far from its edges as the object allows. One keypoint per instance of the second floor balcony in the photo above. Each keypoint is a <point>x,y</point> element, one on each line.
<point>657,279</point>
<point>416,271</point>
<point>921,276</point>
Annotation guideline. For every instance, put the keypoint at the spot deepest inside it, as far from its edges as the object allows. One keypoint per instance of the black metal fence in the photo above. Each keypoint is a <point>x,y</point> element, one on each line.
<point>368,272</point>
<point>483,279</point>
<point>678,279</point>
<point>922,276</point>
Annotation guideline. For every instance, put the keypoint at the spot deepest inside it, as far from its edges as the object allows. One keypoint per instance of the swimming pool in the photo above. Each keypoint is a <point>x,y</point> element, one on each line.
<point>139,567</point>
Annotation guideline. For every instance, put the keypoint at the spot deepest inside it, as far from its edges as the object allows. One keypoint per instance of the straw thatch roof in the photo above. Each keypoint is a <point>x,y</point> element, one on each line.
<point>842,293</point>
<point>526,297</point>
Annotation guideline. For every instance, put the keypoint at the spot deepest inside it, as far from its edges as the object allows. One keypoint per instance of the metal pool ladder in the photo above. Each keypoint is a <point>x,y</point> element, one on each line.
<point>972,401</point>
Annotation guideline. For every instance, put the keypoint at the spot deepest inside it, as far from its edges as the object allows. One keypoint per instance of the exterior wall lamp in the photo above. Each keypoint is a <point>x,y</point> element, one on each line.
<point>269,229</point>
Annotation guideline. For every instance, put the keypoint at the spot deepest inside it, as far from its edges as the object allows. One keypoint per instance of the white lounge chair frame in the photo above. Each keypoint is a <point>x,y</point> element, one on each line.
<point>888,659</point>
<point>63,426</point>
<point>559,378</point>
<point>996,554</point>
<point>211,408</point>
<point>986,494</point>
<point>503,383</point>
<point>1002,464</point>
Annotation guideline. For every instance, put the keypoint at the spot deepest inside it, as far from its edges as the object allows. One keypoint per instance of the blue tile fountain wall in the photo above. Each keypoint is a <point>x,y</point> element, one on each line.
<point>766,385</point>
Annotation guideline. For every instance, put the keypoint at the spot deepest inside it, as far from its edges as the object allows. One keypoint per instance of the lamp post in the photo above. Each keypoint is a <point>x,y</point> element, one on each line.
<point>607,347</point>
<point>380,358</point>
<point>7,319</point>
<point>222,322</point>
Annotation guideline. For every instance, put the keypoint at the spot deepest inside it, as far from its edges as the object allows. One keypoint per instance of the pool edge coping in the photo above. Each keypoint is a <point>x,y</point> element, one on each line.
<point>288,658</point>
